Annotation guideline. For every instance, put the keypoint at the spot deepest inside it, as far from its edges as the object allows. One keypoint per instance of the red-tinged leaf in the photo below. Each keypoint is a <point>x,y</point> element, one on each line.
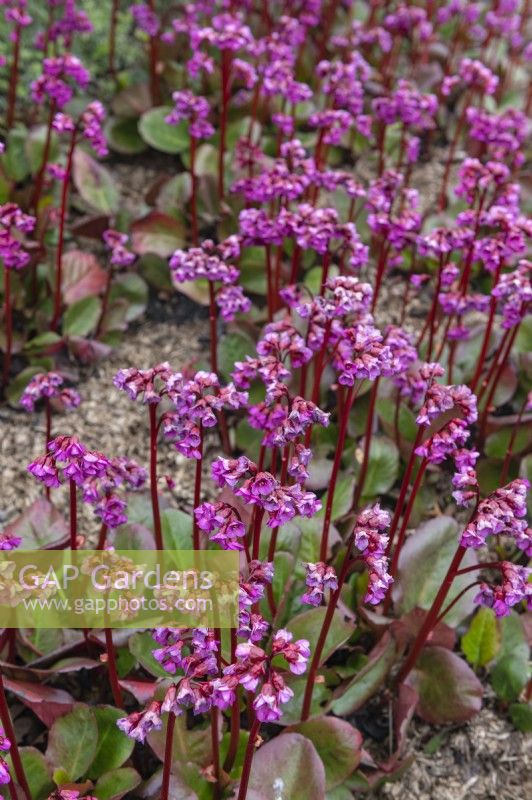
<point>88,351</point>
<point>403,711</point>
<point>37,674</point>
<point>406,629</point>
<point>95,183</point>
<point>423,564</point>
<point>41,527</point>
<point>92,227</point>
<point>142,691</point>
<point>506,386</point>
<point>448,689</point>
<point>367,680</point>
<point>287,766</point>
<point>337,743</point>
<point>132,101</point>
<point>46,702</point>
<point>157,233</point>
<point>188,745</point>
<point>82,276</point>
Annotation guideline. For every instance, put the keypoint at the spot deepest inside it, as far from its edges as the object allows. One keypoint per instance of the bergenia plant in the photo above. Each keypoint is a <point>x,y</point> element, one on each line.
<point>334,196</point>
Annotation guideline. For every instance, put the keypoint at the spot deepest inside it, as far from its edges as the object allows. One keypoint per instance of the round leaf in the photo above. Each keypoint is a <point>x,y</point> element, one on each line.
<point>308,626</point>
<point>123,136</point>
<point>37,772</point>
<point>287,766</point>
<point>72,742</point>
<point>160,135</point>
<point>338,745</point>
<point>94,183</point>
<point>383,466</point>
<point>82,317</point>
<point>116,784</point>
<point>157,233</point>
<point>113,747</point>
<point>449,690</point>
<point>423,563</point>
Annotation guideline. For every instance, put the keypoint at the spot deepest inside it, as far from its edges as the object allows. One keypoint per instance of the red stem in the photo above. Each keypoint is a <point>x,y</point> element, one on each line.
<point>102,537</point>
<point>432,615</point>
<point>111,666</point>
<point>258,517</point>
<point>342,433</point>
<point>511,442</point>
<point>269,279</point>
<point>167,767</point>
<point>212,323</point>
<point>495,382</point>
<point>248,758</point>
<point>197,493</point>
<point>73,515</point>
<point>367,442</point>
<point>215,742</point>
<point>318,651</point>
<point>235,717</point>
<point>112,37</point>
<point>450,157</point>
<point>47,434</point>
<point>155,90</point>
<point>226,70</point>
<point>408,512</point>
<point>60,242</point>
<point>10,733</point>
<point>404,488</point>
<point>487,334</point>
<point>13,79</point>
<point>8,317</point>
<point>39,180</point>
<point>153,478</point>
<point>381,267</point>
<point>458,597</point>
<point>193,192</point>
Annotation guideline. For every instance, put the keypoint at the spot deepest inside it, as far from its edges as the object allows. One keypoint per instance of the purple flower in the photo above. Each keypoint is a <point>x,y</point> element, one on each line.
<point>140,723</point>
<point>369,538</point>
<point>232,301</point>
<point>224,519</point>
<point>150,384</point>
<point>319,577</point>
<point>193,108</point>
<point>48,385</point>
<point>514,588</point>
<point>501,512</point>
<point>145,18</point>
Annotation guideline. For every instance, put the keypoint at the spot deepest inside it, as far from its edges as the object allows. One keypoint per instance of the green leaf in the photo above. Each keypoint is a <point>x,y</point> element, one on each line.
<point>113,747</point>
<point>521,714</point>
<point>448,689</point>
<point>338,745</point>
<point>252,270</point>
<point>233,347</point>
<point>383,466</point>
<point>497,443</point>
<point>289,767</point>
<point>116,784</point>
<point>423,564</point>
<point>157,233</point>
<point>14,159</point>
<point>19,383</point>
<point>308,625</point>
<point>367,680</point>
<point>123,136</point>
<point>72,741</point>
<point>95,183</point>
<point>134,289</point>
<point>482,640</point>
<point>343,498</point>
<point>292,709</point>
<point>187,745</point>
<point>82,317</point>
<point>509,677</point>
<point>42,342</point>
<point>177,529</point>
<point>154,270</point>
<point>37,772</point>
<point>162,136</point>
<point>141,646</point>
<point>35,144</point>
<point>248,439</point>
<point>406,419</point>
